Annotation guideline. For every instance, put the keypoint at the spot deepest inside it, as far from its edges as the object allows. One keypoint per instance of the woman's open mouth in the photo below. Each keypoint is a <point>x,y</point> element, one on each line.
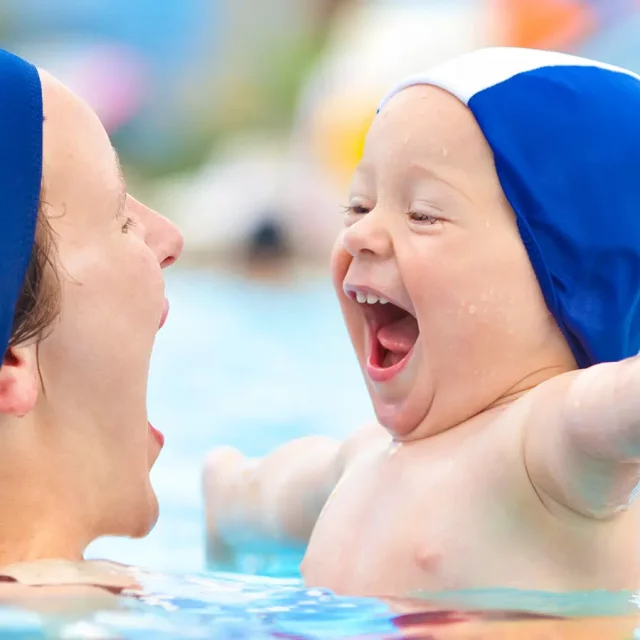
<point>165,313</point>
<point>158,436</point>
<point>392,334</point>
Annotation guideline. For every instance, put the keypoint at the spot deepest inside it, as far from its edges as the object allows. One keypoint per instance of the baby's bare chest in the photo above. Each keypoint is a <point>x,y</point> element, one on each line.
<point>393,528</point>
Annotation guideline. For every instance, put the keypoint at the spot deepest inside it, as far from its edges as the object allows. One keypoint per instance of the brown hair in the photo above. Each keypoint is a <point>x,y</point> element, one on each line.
<point>39,302</point>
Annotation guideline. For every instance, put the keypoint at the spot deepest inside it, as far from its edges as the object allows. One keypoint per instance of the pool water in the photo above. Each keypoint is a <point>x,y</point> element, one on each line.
<point>238,363</point>
<point>252,365</point>
<point>239,607</point>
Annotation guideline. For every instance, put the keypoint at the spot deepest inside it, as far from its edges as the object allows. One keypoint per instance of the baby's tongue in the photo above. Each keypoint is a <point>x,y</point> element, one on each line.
<point>399,336</point>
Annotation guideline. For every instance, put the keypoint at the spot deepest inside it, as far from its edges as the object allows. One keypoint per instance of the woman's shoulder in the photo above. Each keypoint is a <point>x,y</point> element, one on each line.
<point>63,576</point>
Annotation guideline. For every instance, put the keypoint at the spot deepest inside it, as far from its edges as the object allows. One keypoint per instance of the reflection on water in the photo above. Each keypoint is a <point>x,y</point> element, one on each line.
<point>239,607</point>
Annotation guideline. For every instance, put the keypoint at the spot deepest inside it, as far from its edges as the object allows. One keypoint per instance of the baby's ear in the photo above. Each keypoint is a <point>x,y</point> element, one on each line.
<point>18,381</point>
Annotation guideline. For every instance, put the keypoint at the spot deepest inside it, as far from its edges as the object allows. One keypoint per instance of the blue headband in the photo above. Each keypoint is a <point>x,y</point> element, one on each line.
<point>20,179</point>
<point>565,134</point>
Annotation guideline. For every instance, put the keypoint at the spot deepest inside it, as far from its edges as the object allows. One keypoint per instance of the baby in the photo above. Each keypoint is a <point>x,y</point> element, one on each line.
<point>489,277</point>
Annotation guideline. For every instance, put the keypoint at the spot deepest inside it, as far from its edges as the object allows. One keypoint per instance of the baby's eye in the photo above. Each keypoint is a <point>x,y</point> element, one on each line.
<point>356,209</point>
<point>423,218</point>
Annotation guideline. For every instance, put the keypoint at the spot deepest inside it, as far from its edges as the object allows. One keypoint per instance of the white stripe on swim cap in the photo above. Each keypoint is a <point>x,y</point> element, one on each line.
<point>470,73</point>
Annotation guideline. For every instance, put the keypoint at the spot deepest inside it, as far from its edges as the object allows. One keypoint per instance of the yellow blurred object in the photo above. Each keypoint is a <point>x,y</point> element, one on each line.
<point>543,24</point>
<point>339,130</point>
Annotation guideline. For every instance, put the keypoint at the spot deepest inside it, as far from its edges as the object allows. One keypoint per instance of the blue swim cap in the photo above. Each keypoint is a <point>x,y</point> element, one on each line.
<point>20,179</point>
<point>565,134</point>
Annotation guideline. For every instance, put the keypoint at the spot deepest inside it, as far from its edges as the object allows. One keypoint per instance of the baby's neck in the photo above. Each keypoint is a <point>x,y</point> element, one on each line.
<point>431,427</point>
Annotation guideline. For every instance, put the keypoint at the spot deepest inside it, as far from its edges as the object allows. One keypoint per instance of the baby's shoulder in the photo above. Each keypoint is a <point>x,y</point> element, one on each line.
<point>546,398</point>
<point>364,441</point>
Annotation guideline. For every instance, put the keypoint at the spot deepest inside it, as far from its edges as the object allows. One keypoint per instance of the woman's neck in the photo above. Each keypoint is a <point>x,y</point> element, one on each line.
<point>29,537</point>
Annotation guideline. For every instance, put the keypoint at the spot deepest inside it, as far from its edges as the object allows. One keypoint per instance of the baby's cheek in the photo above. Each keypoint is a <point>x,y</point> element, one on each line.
<point>340,262</point>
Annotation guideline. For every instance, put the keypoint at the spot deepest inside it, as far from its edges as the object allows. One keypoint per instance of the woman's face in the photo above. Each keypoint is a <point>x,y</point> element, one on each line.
<point>93,366</point>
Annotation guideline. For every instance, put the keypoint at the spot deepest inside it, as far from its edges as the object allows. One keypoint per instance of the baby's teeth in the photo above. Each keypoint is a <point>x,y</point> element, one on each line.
<point>369,298</point>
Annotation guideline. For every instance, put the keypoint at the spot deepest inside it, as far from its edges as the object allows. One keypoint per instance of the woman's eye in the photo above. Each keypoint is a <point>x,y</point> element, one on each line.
<point>129,223</point>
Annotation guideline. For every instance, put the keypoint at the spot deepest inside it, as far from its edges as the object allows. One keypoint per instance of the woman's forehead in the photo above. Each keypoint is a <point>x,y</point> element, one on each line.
<point>70,124</point>
<point>75,144</point>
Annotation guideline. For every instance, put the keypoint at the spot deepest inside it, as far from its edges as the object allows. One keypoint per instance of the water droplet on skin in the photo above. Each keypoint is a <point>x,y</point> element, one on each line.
<point>394,447</point>
<point>445,152</point>
<point>472,309</point>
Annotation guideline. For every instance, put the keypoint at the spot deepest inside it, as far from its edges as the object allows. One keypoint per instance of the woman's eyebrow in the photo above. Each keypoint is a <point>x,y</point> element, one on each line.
<point>122,197</point>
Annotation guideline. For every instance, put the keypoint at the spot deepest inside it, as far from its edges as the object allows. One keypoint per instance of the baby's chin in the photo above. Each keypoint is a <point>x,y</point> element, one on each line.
<point>407,419</point>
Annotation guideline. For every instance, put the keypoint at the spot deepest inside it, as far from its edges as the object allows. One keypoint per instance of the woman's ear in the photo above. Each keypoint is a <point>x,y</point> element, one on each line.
<point>19,381</point>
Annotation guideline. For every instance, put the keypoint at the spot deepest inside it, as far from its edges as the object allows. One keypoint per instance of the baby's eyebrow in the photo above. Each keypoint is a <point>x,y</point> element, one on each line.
<point>419,169</point>
<point>416,169</point>
<point>364,167</point>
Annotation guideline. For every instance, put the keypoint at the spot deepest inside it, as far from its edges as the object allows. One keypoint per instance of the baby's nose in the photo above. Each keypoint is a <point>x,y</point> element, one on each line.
<point>367,236</point>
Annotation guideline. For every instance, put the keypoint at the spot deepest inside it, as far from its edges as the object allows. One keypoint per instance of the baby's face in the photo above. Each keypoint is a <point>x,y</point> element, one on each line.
<point>429,230</point>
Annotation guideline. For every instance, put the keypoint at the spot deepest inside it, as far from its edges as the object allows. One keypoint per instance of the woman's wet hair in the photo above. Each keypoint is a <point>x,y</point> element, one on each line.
<point>39,302</point>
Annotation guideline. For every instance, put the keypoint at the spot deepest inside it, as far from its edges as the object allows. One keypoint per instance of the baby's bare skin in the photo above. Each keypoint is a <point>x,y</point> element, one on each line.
<point>454,511</point>
<point>499,464</point>
<point>458,511</point>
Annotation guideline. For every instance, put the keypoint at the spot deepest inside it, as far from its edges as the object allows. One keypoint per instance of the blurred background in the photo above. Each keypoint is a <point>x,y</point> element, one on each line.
<point>242,120</point>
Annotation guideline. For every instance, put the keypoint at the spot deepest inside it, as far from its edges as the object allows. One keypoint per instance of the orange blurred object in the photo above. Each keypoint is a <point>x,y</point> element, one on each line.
<point>543,24</point>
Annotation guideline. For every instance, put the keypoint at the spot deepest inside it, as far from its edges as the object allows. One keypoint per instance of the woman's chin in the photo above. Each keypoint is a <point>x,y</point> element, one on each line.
<point>147,516</point>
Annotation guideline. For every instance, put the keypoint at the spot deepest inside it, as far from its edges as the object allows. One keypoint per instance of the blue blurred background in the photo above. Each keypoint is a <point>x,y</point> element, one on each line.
<point>242,120</point>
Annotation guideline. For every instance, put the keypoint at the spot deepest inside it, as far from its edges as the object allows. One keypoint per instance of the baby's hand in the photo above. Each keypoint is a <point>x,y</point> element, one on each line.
<point>267,503</point>
<point>223,473</point>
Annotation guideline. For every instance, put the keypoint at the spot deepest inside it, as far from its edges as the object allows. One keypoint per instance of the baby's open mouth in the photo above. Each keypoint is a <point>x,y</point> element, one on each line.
<point>393,331</point>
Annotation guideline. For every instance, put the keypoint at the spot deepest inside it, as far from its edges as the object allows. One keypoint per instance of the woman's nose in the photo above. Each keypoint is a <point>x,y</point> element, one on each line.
<point>161,235</point>
<point>170,243</point>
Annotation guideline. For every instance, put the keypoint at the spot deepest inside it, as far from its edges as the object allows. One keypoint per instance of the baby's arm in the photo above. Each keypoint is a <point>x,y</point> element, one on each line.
<point>582,439</point>
<point>274,500</point>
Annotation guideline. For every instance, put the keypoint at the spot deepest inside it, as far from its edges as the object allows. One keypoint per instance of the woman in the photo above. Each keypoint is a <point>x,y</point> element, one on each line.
<point>81,299</point>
